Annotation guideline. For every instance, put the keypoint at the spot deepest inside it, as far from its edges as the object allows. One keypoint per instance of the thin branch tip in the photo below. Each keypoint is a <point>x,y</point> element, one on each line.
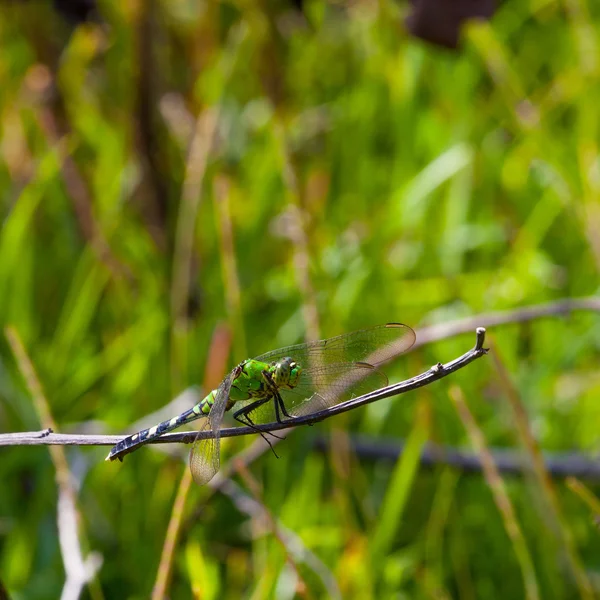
<point>480,340</point>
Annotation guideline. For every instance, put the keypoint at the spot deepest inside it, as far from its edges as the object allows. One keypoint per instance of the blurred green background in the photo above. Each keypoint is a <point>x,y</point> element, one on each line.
<point>186,184</point>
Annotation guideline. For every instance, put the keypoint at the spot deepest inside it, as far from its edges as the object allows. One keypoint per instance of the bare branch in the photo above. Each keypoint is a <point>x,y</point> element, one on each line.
<point>434,333</point>
<point>79,570</point>
<point>558,464</point>
<point>294,544</point>
<point>508,461</point>
<point>439,371</point>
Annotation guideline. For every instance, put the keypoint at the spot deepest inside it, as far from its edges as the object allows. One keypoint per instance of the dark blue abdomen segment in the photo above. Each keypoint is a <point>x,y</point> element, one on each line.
<point>199,410</point>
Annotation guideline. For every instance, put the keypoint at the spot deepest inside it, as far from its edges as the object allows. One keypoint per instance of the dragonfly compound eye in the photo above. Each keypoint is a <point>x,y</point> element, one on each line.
<point>286,373</point>
<point>295,371</point>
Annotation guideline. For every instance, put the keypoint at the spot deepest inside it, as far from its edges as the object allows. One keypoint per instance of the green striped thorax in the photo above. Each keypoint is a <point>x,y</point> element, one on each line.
<point>250,382</point>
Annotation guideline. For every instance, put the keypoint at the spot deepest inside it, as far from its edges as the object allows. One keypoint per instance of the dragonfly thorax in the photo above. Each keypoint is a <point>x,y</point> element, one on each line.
<point>286,373</point>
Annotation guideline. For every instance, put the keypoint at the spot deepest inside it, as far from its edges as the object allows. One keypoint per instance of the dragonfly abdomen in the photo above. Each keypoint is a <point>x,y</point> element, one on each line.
<point>141,437</point>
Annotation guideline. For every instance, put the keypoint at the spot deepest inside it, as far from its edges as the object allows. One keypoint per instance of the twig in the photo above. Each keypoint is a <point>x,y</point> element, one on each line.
<point>56,130</point>
<point>79,570</point>
<point>296,232</point>
<point>3,593</point>
<point>271,524</point>
<point>509,462</point>
<point>436,372</point>
<point>293,543</point>
<point>559,465</point>
<point>183,256</point>
<point>163,574</point>
<point>499,493</point>
<point>229,267</point>
<point>553,517</point>
<point>520,315</point>
<point>585,495</point>
<point>149,128</point>
<point>191,197</point>
<point>215,366</point>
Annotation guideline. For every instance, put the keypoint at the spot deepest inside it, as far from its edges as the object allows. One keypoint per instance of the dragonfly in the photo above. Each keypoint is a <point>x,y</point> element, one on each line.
<point>283,384</point>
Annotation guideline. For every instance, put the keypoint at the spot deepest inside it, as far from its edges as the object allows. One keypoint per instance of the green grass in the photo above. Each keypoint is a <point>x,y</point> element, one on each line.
<point>342,174</point>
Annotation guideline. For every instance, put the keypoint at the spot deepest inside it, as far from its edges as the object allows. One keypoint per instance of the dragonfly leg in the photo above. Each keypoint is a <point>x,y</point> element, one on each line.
<point>243,416</point>
<point>282,406</point>
<point>279,405</point>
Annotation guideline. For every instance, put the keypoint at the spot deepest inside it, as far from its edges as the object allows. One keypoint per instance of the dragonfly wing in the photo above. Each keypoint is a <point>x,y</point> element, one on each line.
<point>205,456</point>
<point>337,369</point>
<point>374,345</point>
<point>322,387</point>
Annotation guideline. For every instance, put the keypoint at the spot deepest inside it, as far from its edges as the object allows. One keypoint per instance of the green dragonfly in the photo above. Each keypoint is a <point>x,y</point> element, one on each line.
<point>283,384</point>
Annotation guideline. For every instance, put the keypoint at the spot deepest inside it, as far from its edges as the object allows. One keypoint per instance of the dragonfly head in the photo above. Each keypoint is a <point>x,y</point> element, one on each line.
<point>286,373</point>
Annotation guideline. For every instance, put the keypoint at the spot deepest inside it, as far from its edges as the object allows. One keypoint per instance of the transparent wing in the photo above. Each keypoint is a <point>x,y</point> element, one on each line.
<point>339,368</point>
<point>323,387</point>
<point>205,457</point>
<point>375,346</point>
